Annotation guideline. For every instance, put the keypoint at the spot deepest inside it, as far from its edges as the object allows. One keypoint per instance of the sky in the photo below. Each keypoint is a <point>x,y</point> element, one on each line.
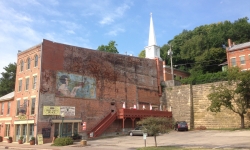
<point>91,23</point>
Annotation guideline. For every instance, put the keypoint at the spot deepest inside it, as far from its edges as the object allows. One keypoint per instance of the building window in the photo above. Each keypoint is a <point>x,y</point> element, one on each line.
<point>33,102</point>
<point>20,86</point>
<point>27,84</point>
<point>36,61</point>
<point>233,62</point>
<point>2,108</point>
<point>8,110</point>
<point>28,63</point>
<point>242,60</point>
<point>7,130</point>
<point>17,107</point>
<point>21,66</point>
<point>34,82</point>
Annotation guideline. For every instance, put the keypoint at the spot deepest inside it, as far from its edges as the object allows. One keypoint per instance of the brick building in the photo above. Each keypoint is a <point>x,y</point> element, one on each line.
<point>59,88</point>
<point>238,55</point>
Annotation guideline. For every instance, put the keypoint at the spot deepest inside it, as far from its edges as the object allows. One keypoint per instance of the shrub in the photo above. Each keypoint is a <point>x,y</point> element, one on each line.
<point>63,141</point>
<point>32,139</point>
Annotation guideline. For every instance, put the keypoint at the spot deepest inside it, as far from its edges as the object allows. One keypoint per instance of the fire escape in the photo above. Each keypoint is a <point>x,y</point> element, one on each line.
<point>125,114</point>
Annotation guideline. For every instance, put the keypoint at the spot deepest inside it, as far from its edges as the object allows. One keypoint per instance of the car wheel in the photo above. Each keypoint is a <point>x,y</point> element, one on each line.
<point>131,134</point>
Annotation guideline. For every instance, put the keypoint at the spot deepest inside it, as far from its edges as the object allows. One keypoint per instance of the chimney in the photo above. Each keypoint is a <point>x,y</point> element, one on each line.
<point>229,43</point>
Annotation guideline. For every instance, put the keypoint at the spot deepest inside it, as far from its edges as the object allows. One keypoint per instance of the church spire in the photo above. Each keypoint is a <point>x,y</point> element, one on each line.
<point>152,50</point>
<point>151,39</point>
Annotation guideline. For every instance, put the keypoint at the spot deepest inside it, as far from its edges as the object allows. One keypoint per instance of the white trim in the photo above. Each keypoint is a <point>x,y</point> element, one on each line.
<point>7,123</point>
<point>20,78</point>
<point>60,121</point>
<point>6,118</point>
<point>34,74</point>
<point>34,96</point>
<point>18,99</point>
<point>25,97</point>
<point>241,55</point>
<point>24,122</point>
<point>27,77</point>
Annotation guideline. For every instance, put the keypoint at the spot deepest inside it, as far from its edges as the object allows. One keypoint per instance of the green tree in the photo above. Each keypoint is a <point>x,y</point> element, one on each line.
<point>111,47</point>
<point>233,95</point>
<point>142,54</point>
<point>7,81</point>
<point>156,125</point>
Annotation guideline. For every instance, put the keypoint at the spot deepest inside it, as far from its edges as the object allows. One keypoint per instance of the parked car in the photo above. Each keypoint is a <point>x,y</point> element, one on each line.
<point>181,125</point>
<point>137,131</point>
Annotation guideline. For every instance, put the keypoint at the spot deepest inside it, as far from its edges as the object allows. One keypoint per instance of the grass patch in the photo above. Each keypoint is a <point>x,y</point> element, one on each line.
<point>174,148</point>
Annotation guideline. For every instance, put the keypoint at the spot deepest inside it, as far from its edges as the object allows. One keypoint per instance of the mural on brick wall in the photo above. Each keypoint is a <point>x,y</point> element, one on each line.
<point>72,85</point>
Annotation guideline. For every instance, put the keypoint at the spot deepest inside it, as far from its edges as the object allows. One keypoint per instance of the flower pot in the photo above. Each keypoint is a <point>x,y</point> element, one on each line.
<point>1,139</point>
<point>20,141</point>
<point>32,142</point>
<point>9,140</point>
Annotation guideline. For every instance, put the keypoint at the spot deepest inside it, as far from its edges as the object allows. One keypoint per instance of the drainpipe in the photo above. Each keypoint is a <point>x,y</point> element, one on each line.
<point>38,99</point>
<point>158,77</point>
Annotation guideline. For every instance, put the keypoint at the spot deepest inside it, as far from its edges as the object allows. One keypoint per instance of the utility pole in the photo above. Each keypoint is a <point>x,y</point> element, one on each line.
<point>170,53</point>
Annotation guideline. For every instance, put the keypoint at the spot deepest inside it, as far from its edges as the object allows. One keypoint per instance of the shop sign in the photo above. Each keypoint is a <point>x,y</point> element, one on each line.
<point>39,139</point>
<point>51,110</point>
<point>22,117</point>
<point>68,110</point>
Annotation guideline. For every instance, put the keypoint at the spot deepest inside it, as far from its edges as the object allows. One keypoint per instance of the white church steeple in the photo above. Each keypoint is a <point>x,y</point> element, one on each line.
<point>152,50</point>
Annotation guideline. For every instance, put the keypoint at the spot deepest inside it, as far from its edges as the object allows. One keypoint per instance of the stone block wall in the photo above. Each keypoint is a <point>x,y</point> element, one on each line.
<point>190,103</point>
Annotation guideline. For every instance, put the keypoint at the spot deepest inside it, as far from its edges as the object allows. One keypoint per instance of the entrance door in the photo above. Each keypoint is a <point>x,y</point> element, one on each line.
<point>31,128</point>
<point>24,133</point>
<point>18,132</point>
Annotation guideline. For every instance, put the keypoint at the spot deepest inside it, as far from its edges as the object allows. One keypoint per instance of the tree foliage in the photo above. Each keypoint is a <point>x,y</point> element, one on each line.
<point>201,49</point>
<point>156,125</point>
<point>111,47</point>
<point>233,95</point>
<point>200,78</point>
<point>142,54</point>
<point>7,81</point>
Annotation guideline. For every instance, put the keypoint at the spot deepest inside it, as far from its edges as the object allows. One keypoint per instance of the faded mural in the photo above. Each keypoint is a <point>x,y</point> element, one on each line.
<point>72,85</point>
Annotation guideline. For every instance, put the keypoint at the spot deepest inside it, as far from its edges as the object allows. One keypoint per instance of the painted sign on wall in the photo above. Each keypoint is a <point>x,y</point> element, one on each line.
<point>68,110</point>
<point>72,85</point>
<point>51,110</point>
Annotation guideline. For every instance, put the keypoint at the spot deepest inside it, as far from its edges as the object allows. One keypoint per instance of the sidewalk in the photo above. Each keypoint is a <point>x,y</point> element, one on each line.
<point>27,146</point>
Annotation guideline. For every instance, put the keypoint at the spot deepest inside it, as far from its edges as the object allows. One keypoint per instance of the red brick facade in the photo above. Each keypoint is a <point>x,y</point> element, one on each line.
<point>238,55</point>
<point>115,80</point>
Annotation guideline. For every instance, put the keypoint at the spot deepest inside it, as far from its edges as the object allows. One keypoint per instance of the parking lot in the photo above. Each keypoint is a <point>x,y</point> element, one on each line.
<point>205,139</point>
<point>200,139</point>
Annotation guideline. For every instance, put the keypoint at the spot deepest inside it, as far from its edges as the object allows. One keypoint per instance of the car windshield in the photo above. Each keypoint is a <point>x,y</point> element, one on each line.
<point>182,123</point>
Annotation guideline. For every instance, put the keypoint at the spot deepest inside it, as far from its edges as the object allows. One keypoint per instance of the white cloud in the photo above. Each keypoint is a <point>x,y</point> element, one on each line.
<point>110,16</point>
<point>115,31</point>
<point>106,20</point>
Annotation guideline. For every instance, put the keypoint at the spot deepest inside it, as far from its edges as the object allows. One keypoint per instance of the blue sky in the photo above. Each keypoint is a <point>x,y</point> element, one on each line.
<point>91,23</point>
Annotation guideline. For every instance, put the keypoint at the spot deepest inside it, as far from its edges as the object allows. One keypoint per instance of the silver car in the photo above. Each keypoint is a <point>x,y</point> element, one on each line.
<point>137,131</point>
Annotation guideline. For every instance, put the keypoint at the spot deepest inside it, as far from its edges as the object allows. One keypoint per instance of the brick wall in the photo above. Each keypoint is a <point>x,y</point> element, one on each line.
<point>119,78</point>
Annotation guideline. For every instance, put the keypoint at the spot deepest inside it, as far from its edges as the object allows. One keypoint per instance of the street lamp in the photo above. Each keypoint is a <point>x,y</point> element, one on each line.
<point>62,115</point>
<point>170,53</point>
